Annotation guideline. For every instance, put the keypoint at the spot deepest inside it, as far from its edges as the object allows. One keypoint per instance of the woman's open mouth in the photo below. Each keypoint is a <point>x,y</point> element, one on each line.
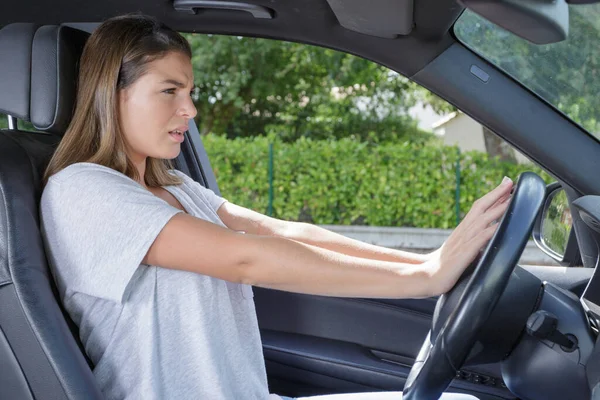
<point>177,135</point>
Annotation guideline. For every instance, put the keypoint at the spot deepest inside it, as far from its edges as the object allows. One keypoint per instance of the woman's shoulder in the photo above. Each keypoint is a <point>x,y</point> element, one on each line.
<point>81,181</point>
<point>88,173</point>
<point>187,184</point>
<point>198,191</point>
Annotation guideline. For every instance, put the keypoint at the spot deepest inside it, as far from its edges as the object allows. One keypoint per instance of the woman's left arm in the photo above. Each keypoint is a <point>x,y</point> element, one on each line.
<point>242,219</point>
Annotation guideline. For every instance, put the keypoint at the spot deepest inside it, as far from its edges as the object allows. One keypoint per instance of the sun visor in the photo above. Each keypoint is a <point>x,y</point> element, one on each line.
<point>381,18</point>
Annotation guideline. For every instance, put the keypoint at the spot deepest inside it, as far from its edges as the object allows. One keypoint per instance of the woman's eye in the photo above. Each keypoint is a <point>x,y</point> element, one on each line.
<point>169,91</point>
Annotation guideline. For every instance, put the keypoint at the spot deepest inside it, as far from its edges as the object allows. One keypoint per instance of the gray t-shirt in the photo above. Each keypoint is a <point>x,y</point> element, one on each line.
<point>151,332</point>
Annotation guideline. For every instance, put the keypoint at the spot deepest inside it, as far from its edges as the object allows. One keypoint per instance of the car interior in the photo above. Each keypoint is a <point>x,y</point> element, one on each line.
<point>505,331</point>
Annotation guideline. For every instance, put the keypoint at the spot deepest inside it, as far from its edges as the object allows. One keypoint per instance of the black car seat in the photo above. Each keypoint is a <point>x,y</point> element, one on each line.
<point>40,355</point>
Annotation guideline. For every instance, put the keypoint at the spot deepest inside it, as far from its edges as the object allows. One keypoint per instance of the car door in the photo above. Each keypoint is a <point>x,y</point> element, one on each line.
<point>316,345</point>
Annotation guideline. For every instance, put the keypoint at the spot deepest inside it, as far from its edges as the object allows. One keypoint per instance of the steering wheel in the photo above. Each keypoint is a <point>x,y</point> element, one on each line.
<point>449,342</point>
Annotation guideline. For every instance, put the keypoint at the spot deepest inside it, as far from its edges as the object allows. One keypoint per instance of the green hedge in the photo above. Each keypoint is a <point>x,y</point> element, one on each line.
<point>346,182</point>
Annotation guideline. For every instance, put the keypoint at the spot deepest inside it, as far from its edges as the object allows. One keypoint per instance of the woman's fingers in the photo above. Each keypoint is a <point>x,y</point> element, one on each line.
<point>474,228</point>
<point>503,199</point>
<point>485,236</point>
<point>487,209</point>
<point>474,232</point>
<point>487,201</point>
<point>494,214</point>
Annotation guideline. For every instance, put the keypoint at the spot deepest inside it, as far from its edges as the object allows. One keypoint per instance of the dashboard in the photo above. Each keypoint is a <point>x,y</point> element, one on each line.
<point>588,210</point>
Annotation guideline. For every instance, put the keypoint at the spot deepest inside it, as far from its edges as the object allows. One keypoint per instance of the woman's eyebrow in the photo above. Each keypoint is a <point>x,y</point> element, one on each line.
<point>173,82</point>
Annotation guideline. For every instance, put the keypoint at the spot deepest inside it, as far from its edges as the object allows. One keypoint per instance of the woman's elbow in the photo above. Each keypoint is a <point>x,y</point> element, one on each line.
<point>252,263</point>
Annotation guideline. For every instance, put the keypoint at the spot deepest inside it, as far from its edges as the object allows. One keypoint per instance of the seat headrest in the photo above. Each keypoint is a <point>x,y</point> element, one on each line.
<point>56,52</point>
<point>15,69</point>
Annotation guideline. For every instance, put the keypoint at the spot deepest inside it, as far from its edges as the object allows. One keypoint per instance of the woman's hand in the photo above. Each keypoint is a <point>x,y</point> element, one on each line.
<point>447,264</point>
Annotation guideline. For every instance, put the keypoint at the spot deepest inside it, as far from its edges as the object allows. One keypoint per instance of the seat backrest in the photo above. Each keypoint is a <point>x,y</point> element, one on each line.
<point>40,358</point>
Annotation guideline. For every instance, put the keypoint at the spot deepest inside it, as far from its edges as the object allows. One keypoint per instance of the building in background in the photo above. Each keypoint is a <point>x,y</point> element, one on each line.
<point>458,129</point>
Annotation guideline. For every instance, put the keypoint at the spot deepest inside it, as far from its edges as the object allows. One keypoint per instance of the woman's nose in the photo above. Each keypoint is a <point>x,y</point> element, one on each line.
<point>188,108</point>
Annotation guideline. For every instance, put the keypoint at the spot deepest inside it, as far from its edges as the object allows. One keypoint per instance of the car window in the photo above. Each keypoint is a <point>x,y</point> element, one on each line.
<point>310,134</point>
<point>21,125</point>
<point>564,74</point>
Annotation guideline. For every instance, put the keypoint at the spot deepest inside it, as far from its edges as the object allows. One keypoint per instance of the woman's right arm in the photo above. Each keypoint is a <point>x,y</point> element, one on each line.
<point>192,244</point>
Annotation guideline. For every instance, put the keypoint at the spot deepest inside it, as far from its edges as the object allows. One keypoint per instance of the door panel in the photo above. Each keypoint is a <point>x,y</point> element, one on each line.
<point>368,323</point>
<point>315,345</point>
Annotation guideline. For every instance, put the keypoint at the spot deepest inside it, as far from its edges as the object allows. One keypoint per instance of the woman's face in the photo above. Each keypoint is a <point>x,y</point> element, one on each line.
<point>154,111</point>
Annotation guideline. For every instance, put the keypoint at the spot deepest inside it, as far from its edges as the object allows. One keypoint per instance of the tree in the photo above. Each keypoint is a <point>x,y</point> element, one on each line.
<point>249,86</point>
<point>494,145</point>
<point>565,74</point>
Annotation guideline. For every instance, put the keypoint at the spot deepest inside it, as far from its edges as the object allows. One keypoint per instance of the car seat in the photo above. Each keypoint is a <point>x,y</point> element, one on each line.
<point>40,353</point>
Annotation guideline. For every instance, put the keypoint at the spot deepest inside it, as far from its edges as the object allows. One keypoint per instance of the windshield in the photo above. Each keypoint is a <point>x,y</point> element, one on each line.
<point>565,74</point>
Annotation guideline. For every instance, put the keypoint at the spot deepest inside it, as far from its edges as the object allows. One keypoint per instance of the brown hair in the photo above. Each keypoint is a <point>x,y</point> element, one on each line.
<point>115,56</point>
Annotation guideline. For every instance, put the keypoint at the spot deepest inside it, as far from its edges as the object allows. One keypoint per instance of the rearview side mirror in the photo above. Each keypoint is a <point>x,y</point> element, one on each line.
<point>539,21</point>
<point>553,232</point>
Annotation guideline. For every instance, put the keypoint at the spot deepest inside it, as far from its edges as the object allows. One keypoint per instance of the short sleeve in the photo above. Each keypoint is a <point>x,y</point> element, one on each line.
<point>214,201</point>
<point>98,225</point>
<point>209,197</point>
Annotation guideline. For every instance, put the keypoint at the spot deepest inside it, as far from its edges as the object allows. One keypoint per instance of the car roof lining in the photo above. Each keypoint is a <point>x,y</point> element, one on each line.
<point>309,21</point>
<point>391,19</point>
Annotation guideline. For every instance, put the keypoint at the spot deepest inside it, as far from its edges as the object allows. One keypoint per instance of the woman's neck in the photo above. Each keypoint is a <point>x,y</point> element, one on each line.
<point>140,166</point>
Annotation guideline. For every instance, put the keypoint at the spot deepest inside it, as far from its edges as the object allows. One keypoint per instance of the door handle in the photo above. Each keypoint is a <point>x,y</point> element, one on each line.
<point>191,6</point>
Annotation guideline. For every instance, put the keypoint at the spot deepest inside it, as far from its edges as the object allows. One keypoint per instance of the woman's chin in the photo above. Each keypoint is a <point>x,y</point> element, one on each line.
<point>169,154</point>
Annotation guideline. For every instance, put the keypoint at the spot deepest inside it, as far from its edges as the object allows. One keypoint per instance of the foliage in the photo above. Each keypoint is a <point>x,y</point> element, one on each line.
<point>249,86</point>
<point>565,74</point>
<point>557,222</point>
<point>351,182</point>
<point>21,124</point>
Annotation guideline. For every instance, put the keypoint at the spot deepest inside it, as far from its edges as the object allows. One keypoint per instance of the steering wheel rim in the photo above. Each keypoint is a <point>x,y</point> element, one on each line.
<point>441,357</point>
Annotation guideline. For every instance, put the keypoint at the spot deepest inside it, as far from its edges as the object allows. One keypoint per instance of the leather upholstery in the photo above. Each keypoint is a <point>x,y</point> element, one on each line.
<point>36,343</point>
<point>15,69</point>
<point>56,52</point>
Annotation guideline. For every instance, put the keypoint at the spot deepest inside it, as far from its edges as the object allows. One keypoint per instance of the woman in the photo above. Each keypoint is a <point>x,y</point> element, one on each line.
<point>153,268</point>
